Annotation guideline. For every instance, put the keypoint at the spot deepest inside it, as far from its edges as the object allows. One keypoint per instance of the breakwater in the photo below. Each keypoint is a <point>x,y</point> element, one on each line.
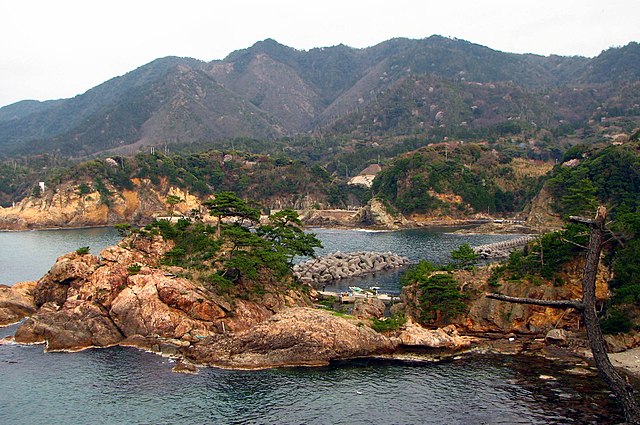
<point>502,249</point>
<point>340,265</point>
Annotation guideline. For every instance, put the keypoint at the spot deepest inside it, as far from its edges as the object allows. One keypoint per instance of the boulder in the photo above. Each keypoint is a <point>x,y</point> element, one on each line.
<point>80,325</point>
<point>413,334</point>
<point>69,269</point>
<point>16,302</point>
<point>293,337</point>
<point>556,336</point>
<point>141,308</point>
<point>366,308</point>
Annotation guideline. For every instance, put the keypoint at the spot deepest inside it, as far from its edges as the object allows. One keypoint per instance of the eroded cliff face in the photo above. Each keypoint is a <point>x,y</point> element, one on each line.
<point>541,217</point>
<point>488,315</point>
<point>375,214</point>
<point>68,207</point>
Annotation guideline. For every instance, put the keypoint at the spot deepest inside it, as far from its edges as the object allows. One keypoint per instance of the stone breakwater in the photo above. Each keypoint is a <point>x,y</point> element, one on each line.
<point>340,265</point>
<point>502,249</point>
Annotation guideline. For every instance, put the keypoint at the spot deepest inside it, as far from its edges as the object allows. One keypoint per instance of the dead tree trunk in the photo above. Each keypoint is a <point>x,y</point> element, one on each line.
<point>620,387</point>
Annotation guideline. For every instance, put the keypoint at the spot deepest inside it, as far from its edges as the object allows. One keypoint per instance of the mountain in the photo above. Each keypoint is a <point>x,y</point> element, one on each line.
<point>435,86</point>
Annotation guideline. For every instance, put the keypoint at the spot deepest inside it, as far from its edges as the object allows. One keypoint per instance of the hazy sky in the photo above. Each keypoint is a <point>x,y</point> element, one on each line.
<point>54,49</point>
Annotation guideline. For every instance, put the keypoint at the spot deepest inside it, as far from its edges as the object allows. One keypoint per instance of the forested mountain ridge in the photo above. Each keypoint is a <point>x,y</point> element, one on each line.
<point>436,86</point>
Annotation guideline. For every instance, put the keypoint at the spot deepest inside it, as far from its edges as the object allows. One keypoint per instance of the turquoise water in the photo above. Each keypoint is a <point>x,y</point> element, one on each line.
<point>120,385</point>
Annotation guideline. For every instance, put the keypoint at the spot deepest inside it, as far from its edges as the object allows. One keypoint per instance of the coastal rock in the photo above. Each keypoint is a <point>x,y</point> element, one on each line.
<point>86,301</point>
<point>487,315</point>
<point>154,304</point>
<point>556,336</point>
<point>16,302</point>
<point>366,308</point>
<point>375,214</point>
<point>80,325</point>
<point>184,367</point>
<point>541,216</point>
<point>65,206</point>
<point>413,334</point>
<point>70,269</point>
<point>293,337</point>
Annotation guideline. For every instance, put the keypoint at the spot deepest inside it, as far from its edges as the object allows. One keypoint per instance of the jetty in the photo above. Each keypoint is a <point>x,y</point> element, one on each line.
<point>502,249</point>
<point>338,265</point>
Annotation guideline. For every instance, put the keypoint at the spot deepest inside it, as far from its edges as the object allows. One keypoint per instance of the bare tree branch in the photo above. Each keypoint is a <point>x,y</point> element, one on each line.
<point>573,243</point>
<point>584,220</point>
<point>535,301</point>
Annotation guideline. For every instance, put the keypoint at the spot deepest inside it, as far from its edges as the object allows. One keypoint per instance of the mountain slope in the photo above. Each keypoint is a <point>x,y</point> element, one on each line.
<point>437,86</point>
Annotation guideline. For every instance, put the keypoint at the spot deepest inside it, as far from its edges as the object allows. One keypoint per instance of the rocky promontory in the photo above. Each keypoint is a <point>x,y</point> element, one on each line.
<point>126,297</point>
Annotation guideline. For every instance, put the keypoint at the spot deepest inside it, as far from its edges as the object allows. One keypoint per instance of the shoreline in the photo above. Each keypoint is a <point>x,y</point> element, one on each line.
<point>574,362</point>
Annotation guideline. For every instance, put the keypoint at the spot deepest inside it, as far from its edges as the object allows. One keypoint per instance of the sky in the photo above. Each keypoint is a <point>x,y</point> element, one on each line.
<point>52,49</point>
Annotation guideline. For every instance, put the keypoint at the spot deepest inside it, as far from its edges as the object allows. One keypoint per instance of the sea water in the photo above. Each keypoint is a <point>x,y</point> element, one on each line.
<point>123,385</point>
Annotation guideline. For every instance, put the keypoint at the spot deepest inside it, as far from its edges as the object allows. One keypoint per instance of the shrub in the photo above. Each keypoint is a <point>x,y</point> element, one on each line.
<point>440,298</point>
<point>616,321</point>
<point>464,256</point>
<point>387,324</point>
<point>134,269</point>
<point>84,250</point>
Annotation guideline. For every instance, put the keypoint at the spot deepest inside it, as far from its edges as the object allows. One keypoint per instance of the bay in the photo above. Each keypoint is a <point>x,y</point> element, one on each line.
<point>121,385</point>
<point>28,255</point>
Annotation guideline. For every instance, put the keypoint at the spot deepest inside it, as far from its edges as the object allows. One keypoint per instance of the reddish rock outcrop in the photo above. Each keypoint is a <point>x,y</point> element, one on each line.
<point>294,337</point>
<point>366,308</point>
<point>16,302</point>
<point>414,335</point>
<point>78,325</point>
<point>87,301</point>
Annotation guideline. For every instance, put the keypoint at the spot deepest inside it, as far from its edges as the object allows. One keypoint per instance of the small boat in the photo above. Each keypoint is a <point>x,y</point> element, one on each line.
<point>371,291</point>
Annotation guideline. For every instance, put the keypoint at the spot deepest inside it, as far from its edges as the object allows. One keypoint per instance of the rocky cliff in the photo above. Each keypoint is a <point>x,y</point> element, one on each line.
<point>68,207</point>
<point>486,315</point>
<point>376,214</point>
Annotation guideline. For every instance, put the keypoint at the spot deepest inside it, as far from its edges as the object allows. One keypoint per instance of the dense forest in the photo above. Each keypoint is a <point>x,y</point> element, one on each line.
<point>483,179</point>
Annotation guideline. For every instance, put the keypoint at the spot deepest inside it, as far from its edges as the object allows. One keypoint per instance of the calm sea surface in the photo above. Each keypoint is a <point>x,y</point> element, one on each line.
<point>119,385</point>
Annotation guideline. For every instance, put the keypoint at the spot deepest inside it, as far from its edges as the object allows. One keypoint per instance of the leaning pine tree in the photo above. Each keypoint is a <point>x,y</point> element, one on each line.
<point>587,306</point>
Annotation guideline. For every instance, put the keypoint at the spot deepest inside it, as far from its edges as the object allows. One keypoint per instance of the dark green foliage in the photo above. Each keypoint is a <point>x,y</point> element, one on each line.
<point>416,273</point>
<point>287,237</point>
<point>124,229</point>
<point>134,269</point>
<point>228,204</point>
<point>464,256</point>
<point>625,262</point>
<point>82,250</point>
<point>440,298</point>
<point>608,176</point>
<point>195,246</point>
<point>105,194</point>
<point>546,256</point>
<point>388,324</point>
<point>616,321</point>
<point>246,251</point>
<point>84,189</point>
<point>471,171</point>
